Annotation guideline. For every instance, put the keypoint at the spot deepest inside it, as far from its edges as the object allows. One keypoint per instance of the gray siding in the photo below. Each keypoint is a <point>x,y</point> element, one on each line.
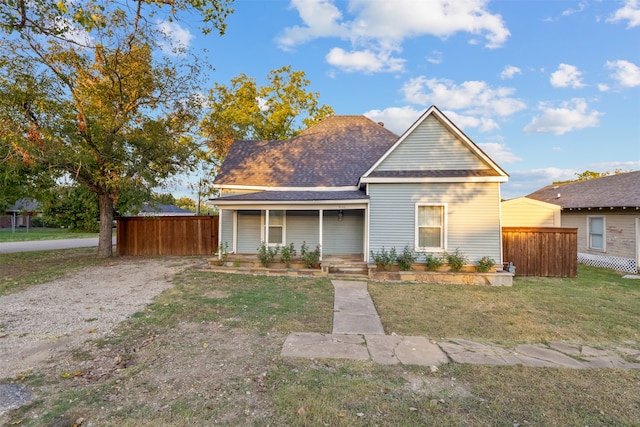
<point>248,233</point>
<point>303,227</point>
<point>226,222</point>
<point>473,216</point>
<point>431,147</point>
<point>343,237</point>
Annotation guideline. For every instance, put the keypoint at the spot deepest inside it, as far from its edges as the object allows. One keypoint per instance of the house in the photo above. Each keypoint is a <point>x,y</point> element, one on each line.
<point>606,212</point>
<point>352,187</point>
<point>20,213</point>
<point>526,212</point>
<point>163,210</point>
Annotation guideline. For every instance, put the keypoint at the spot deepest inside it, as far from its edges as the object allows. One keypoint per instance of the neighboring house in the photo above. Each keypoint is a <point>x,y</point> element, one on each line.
<point>162,210</point>
<point>19,214</point>
<point>606,212</point>
<point>352,187</point>
<point>526,212</point>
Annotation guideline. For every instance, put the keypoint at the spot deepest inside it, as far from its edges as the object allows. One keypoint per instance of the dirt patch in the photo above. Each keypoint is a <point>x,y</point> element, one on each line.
<point>43,321</point>
<point>51,331</point>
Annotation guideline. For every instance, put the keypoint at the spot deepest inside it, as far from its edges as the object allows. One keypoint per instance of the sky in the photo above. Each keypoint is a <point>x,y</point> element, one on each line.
<point>547,88</point>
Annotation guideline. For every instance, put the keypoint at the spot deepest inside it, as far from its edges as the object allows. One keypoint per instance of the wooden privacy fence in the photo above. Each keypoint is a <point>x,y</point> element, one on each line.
<point>167,235</point>
<point>541,251</point>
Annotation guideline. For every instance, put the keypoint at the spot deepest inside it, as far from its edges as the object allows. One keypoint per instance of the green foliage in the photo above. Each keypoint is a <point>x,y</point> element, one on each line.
<point>266,254</point>
<point>406,258</point>
<point>485,264</point>
<point>114,116</point>
<point>222,253</point>
<point>384,260</point>
<point>311,259</point>
<point>456,260</point>
<point>287,253</point>
<point>276,111</point>
<point>72,207</point>
<point>434,262</point>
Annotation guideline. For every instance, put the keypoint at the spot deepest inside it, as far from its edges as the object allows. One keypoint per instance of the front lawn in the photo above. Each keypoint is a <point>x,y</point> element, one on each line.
<point>596,307</point>
<point>206,352</point>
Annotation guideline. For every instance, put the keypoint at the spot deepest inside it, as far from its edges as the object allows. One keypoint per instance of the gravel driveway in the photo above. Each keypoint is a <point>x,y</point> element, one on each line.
<point>40,323</point>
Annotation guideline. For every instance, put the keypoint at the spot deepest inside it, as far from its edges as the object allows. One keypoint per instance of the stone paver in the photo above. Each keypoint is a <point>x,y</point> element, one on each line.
<point>353,309</point>
<point>328,346</point>
<point>358,334</point>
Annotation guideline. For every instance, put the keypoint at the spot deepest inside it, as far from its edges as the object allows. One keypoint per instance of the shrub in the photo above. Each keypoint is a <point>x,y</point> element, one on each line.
<point>456,260</point>
<point>434,262</point>
<point>485,264</point>
<point>266,254</point>
<point>383,259</point>
<point>287,253</point>
<point>406,258</point>
<point>311,259</point>
<point>222,253</point>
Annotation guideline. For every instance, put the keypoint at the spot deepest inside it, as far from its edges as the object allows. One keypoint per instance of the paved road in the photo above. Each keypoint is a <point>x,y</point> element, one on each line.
<point>47,245</point>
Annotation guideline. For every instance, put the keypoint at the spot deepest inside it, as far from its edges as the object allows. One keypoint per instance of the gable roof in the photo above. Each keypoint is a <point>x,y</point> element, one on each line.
<point>333,153</point>
<point>613,191</point>
<point>24,205</point>
<point>483,169</point>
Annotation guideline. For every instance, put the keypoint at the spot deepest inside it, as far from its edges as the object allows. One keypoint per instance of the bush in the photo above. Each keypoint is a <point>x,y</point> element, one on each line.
<point>266,254</point>
<point>485,264</point>
<point>287,253</point>
<point>222,253</point>
<point>434,262</point>
<point>311,259</point>
<point>383,259</point>
<point>456,260</point>
<point>406,258</point>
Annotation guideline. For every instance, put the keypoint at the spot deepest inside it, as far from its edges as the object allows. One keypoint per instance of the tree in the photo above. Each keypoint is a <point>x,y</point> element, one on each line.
<point>243,110</point>
<point>108,113</point>
<point>587,174</point>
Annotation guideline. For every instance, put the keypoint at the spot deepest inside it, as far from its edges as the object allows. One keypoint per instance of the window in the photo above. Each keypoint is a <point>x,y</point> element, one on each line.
<point>596,233</point>
<point>275,227</point>
<point>430,227</point>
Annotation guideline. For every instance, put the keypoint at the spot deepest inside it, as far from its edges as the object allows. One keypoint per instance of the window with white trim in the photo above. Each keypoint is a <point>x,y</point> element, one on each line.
<point>430,227</point>
<point>274,227</point>
<point>595,230</point>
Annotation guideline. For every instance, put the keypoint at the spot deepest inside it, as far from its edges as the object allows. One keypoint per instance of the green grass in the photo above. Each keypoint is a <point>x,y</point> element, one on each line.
<point>37,233</point>
<point>23,269</point>
<point>596,307</point>
<point>345,393</point>
<point>256,303</point>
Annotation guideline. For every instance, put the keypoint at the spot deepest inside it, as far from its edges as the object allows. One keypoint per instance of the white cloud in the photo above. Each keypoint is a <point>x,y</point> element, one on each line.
<point>581,6</point>
<point>571,115</point>
<point>373,26</point>
<point>177,39</point>
<point>499,152</point>
<point>474,97</point>
<point>625,72</point>
<point>435,57</point>
<point>396,119</point>
<point>321,19</point>
<point>629,12</point>
<point>510,71</point>
<point>523,182</point>
<point>366,61</point>
<point>483,124</point>
<point>602,87</point>
<point>567,76</point>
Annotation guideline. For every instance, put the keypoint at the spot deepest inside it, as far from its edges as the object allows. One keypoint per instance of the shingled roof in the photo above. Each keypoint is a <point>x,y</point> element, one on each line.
<point>613,191</point>
<point>333,153</point>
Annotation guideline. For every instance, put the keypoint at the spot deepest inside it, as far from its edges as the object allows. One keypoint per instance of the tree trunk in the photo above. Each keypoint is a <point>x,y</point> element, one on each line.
<point>105,243</point>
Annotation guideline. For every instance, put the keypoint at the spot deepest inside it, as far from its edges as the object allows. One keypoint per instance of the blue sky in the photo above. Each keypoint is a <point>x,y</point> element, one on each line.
<point>546,88</point>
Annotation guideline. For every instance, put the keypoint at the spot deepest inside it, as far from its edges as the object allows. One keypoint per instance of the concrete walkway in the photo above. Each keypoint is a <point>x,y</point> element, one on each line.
<point>358,334</point>
<point>48,245</point>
